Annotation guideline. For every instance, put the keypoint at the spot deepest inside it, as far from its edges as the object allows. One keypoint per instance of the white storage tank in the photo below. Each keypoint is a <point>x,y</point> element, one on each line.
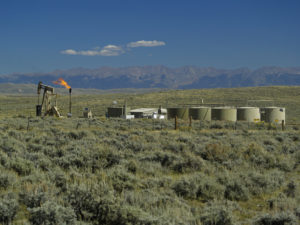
<point>272,114</point>
<point>200,113</point>
<point>249,114</point>
<point>224,113</point>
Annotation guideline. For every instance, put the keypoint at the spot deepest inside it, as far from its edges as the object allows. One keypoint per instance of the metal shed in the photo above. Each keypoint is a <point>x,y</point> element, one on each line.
<point>143,112</point>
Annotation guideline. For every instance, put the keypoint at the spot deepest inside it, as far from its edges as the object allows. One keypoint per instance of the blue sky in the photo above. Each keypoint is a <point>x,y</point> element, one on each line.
<point>44,35</point>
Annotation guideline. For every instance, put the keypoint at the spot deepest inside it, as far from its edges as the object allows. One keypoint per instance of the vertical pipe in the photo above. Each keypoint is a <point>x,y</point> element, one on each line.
<point>282,125</point>
<point>70,103</point>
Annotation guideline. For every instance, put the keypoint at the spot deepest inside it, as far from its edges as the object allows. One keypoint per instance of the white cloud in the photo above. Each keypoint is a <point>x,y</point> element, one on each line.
<point>144,43</point>
<point>108,50</point>
<point>112,50</point>
<point>112,47</point>
<point>69,52</point>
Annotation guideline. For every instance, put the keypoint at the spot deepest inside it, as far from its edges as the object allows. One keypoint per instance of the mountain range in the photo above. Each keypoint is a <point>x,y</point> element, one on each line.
<point>187,77</point>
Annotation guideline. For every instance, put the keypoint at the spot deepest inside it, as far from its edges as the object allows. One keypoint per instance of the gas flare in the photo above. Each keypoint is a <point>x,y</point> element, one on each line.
<point>62,82</point>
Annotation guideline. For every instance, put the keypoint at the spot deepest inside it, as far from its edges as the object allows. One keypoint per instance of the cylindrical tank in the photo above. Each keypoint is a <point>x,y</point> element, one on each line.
<point>272,114</point>
<point>200,113</point>
<point>224,113</point>
<point>249,114</point>
<point>181,113</point>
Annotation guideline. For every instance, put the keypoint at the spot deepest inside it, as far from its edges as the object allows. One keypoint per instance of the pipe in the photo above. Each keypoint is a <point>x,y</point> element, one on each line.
<point>70,103</point>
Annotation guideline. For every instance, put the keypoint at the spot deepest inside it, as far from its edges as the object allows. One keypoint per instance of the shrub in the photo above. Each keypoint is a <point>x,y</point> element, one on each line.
<point>52,213</point>
<point>235,190</point>
<point>6,180</point>
<point>185,188</point>
<point>215,214</point>
<point>188,163</point>
<point>122,180</point>
<point>258,183</point>
<point>284,218</point>
<point>21,166</point>
<point>32,198</point>
<point>82,201</point>
<point>4,159</point>
<point>209,189</point>
<point>291,189</point>
<point>131,215</point>
<point>92,203</point>
<point>215,152</point>
<point>8,208</point>
<point>297,212</point>
<point>131,166</point>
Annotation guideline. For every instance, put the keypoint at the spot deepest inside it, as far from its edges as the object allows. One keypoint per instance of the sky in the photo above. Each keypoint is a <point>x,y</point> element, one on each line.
<point>45,35</point>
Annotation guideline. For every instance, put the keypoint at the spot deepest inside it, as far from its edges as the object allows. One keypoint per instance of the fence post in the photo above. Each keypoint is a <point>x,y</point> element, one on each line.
<point>282,125</point>
<point>176,123</point>
<point>190,122</point>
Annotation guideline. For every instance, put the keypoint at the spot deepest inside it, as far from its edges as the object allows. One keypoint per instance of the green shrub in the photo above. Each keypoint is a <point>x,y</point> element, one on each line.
<point>22,166</point>
<point>290,190</point>
<point>235,190</point>
<point>283,218</point>
<point>132,166</point>
<point>92,203</point>
<point>131,215</point>
<point>122,180</point>
<point>188,163</point>
<point>185,188</point>
<point>297,212</point>
<point>6,180</point>
<point>8,208</point>
<point>53,214</point>
<point>258,183</point>
<point>216,214</point>
<point>32,198</point>
<point>209,188</point>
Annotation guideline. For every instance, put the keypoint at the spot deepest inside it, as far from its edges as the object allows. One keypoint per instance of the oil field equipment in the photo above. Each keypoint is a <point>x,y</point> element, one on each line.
<point>249,114</point>
<point>118,111</point>
<point>62,82</point>
<point>87,113</point>
<point>70,102</point>
<point>180,113</point>
<point>49,101</point>
<point>148,112</point>
<point>143,112</point>
<point>272,114</point>
<point>224,113</point>
<point>200,113</point>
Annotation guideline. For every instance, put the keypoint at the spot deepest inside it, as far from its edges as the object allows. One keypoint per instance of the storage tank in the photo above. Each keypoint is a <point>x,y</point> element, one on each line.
<point>224,113</point>
<point>117,111</point>
<point>249,114</point>
<point>272,114</point>
<point>200,113</point>
<point>181,113</point>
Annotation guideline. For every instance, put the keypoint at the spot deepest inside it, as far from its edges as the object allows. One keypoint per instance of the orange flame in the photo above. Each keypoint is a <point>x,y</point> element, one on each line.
<point>61,81</point>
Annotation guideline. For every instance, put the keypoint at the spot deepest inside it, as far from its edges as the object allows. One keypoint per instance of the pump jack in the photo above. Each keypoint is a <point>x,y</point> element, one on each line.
<point>48,103</point>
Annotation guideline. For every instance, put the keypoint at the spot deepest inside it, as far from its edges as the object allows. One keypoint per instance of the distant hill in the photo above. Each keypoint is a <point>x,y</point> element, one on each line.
<point>187,77</point>
<point>31,89</point>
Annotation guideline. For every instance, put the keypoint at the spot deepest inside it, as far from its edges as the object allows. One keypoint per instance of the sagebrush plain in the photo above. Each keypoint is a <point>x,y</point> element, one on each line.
<point>113,171</point>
